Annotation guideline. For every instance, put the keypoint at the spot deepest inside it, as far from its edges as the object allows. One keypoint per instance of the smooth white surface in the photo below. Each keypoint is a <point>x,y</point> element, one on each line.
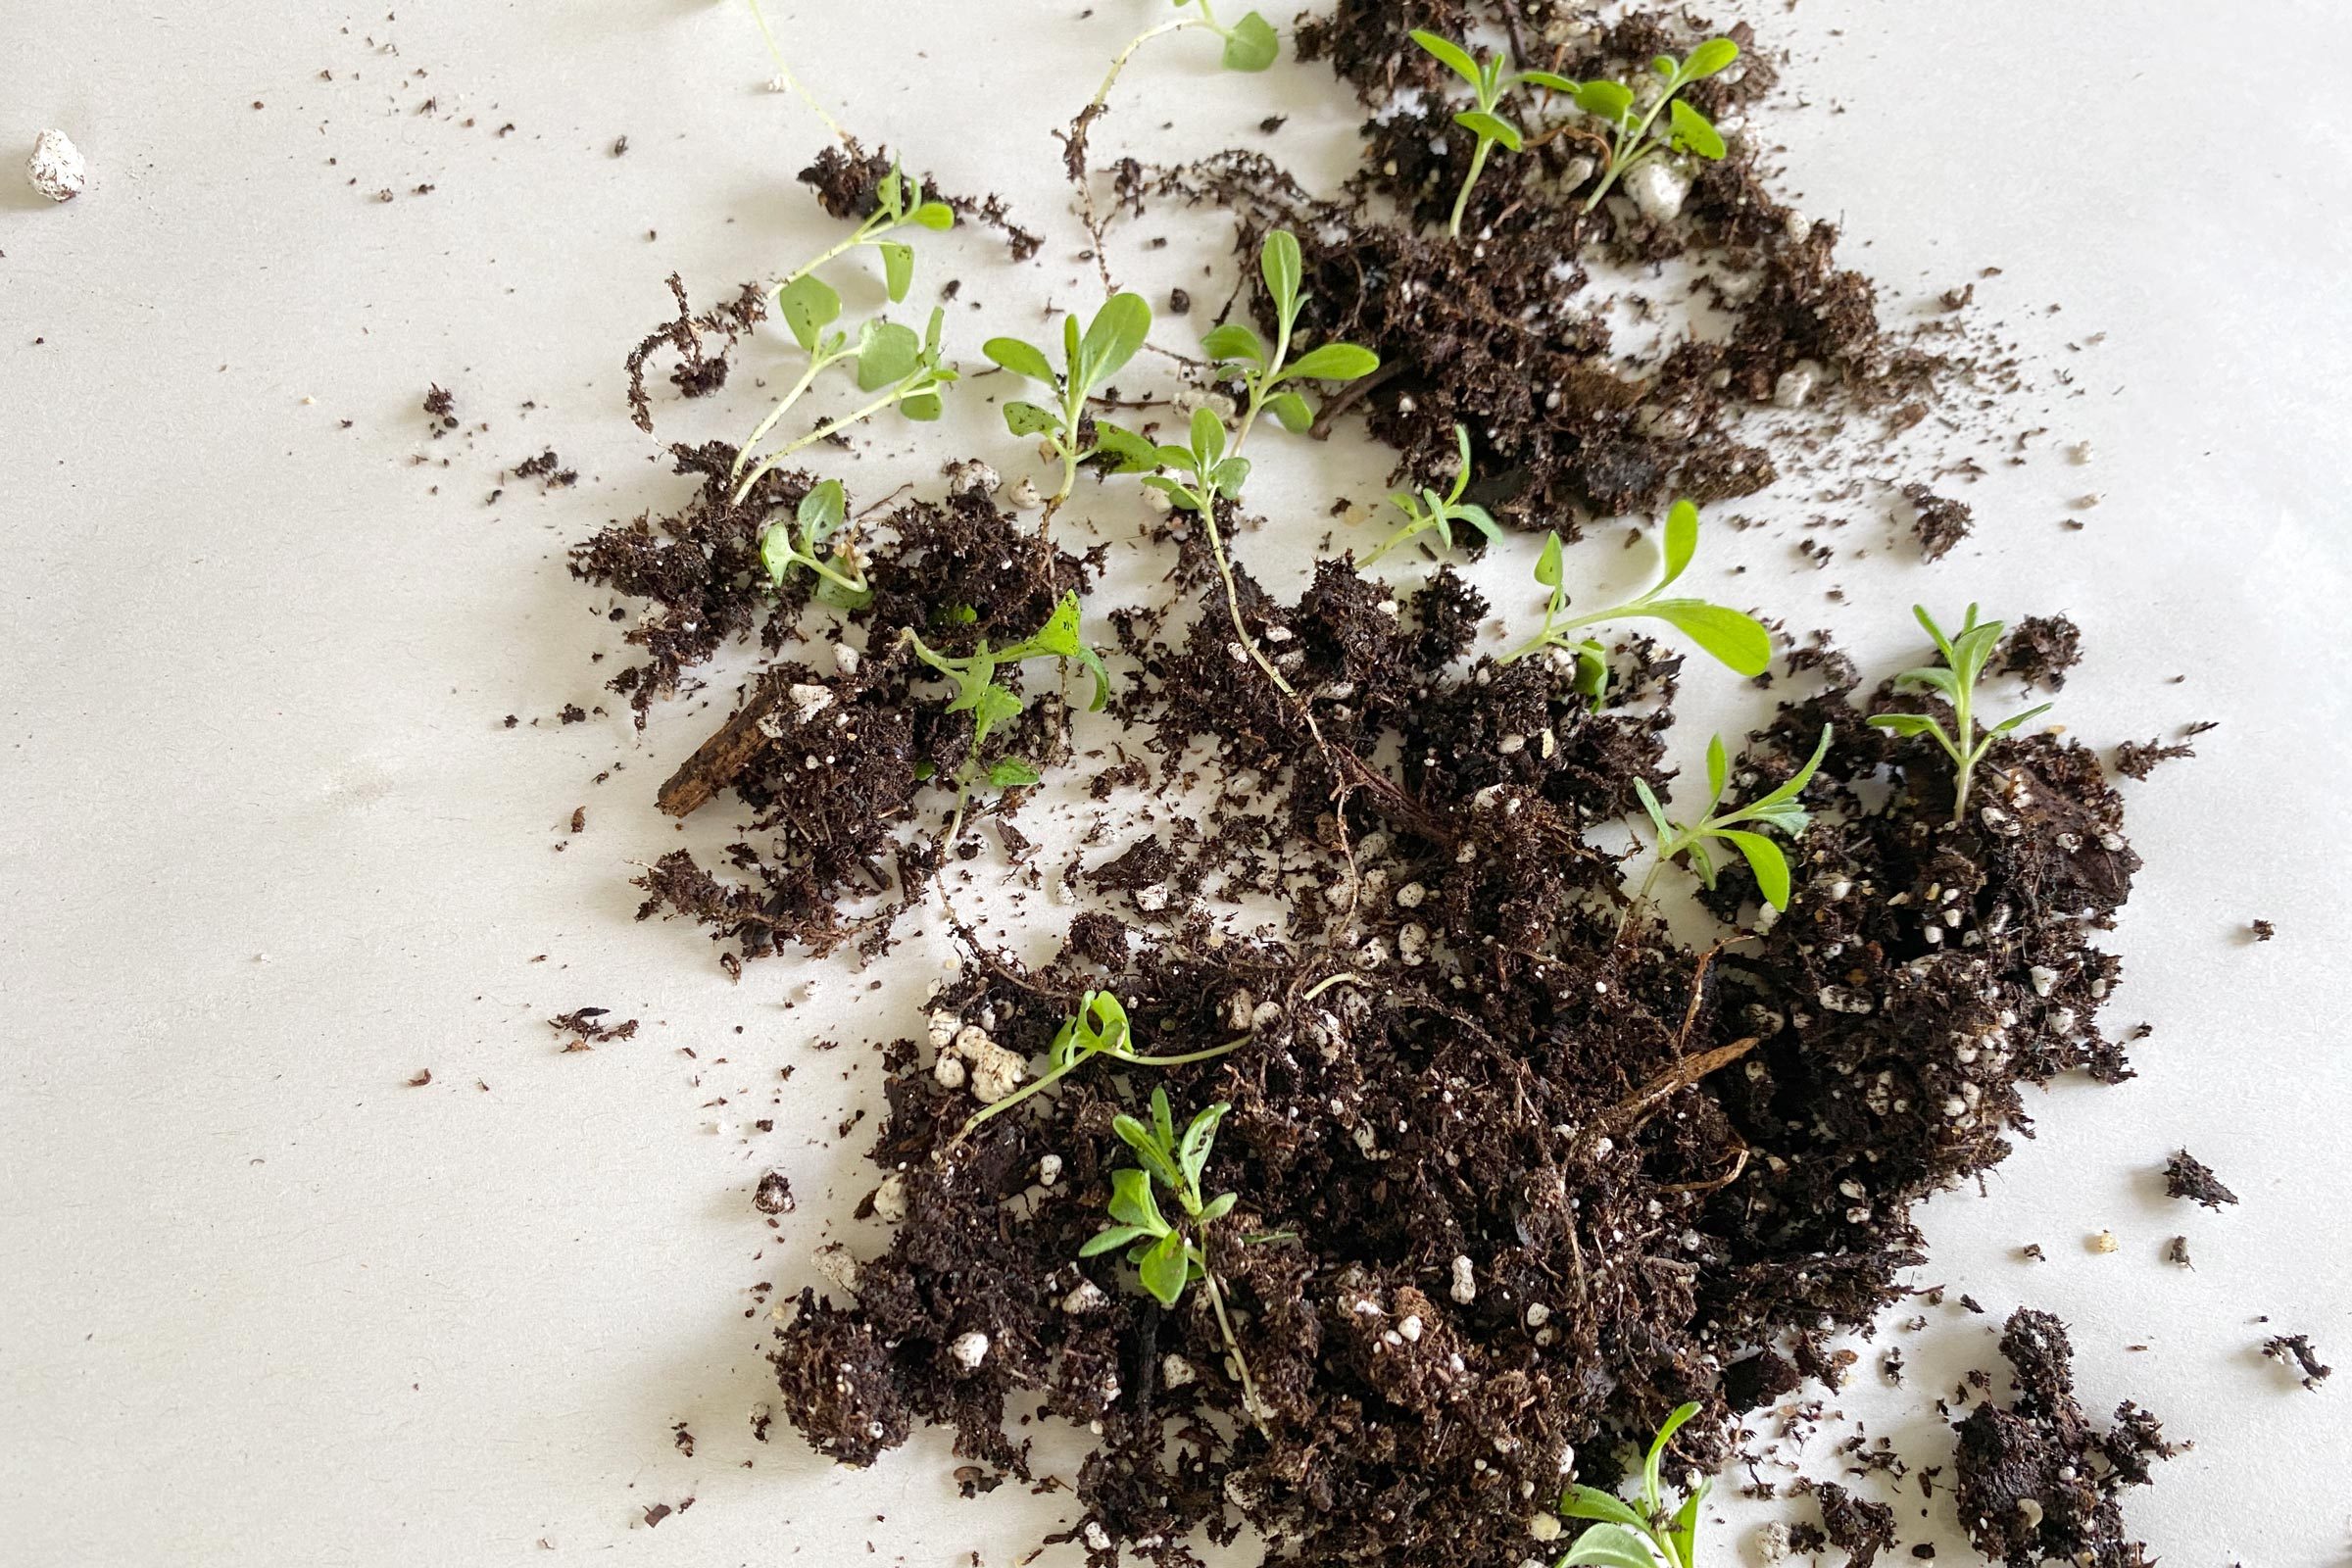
<point>268,851</point>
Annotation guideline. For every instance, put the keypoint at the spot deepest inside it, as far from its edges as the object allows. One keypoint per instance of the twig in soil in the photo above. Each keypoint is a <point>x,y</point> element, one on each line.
<point>1630,1112</point>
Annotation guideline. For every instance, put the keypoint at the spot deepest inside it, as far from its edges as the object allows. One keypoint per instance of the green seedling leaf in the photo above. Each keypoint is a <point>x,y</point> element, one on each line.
<point>1657,812</point>
<point>897,267</point>
<point>1711,59</point>
<point>1198,1138</point>
<point>1695,132</point>
<point>1208,437</point>
<point>807,305</point>
<point>1606,100</point>
<point>1550,82</point>
<point>1738,641</point>
<point>1027,418</point>
<point>1131,1198</point>
<point>922,406</point>
<point>1022,359</point>
<point>1490,128</point>
<point>1608,1546</point>
<point>1481,519</point>
<point>1234,343</point>
<point>1123,450</point>
<point>1290,410</point>
<point>821,511</point>
<point>1591,1503</point>
<point>1252,45</point>
<point>1764,858</point>
<point>992,704</point>
<point>1218,1207</point>
<point>1013,773</point>
<point>1333,361</point>
<point>1111,338</point>
<point>1682,1413</point>
<point>2008,724</point>
<point>1456,58</point>
<point>887,354</point>
<point>938,217</point>
<point>1681,541</point>
<point>1163,1127</point>
<point>1111,1240</point>
<point>1278,262</point>
<point>1547,564</point>
<point>1718,768</point>
<point>1906,724</point>
<point>1230,476</point>
<point>1166,1269</point>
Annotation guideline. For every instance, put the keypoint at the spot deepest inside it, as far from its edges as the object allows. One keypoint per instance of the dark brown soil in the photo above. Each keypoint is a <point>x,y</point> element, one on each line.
<point>2298,1349</point>
<point>1529,1172</point>
<point>2186,1176</point>
<point>2036,1481</point>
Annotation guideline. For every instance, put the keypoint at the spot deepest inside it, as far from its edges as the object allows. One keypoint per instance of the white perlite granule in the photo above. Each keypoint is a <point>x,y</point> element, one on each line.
<point>56,169</point>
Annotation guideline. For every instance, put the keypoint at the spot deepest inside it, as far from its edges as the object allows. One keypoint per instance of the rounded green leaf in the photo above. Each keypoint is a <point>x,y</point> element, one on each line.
<point>821,511</point>
<point>1022,359</point>
<point>1251,44</point>
<point>1278,262</point>
<point>935,216</point>
<point>1234,343</point>
<point>1456,58</point>
<point>1609,1546</point>
<point>807,305</point>
<point>922,407</point>
<point>1490,128</point>
<point>1710,58</point>
<point>1111,338</point>
<point>1208,436</point>
<point>1738,641</point>
<point>1609,100</point>
<point>1122,450</point>
<point>1166,1269</point>
<point>887,353</point>
<point>1764,858</point>
<point>1230,476</point>
<point>1547,564</point>
<point>1694,133</point>
<point>897,267</point>
<point>1292,411</point>
<point>1333,361</point>
<point>1682,540</point>
<point>1027,418</point>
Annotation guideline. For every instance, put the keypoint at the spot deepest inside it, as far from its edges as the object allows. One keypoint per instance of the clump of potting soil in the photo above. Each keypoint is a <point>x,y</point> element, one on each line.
<point>2298,1349</point>
<point>2036,1481</point>
<point>2186,1176</point>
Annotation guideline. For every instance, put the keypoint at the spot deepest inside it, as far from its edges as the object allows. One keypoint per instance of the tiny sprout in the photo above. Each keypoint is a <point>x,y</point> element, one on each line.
<point>1430,512</point>
<point>800,540</point>
<point>1964,655</point>
<point>898,203</point>
<point>1207,474</point>
<point>906,369</point>
<point>1649,1537</point>
<point>1737,640</point>
<point>1089,360</point>
<point>1779,809</point>
<point>979,694</point>
<point>1238,350</point>
<point>1488,81</point>
<point>1099,1028</point>
<point>1165,1256</point>
<point>1632,142</point>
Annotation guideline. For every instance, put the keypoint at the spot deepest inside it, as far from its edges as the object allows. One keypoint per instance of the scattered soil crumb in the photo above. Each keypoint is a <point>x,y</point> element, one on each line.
<point>1937,523</point>
<point>2298,1348</point>
<point>2040,650</point>
<point>2186,1176</point>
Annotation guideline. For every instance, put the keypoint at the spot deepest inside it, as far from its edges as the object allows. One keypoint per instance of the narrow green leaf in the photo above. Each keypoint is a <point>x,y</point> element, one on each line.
<point>1022,359</point>
<point>1333,361</point>
<point>888,353</point>
<point>1278,262</point>
<point>1027,418</point>
<point>897,267</point>
<point>1480,518</point>
<point>1694,133</point>
<point>1718,768</point>
<point>1163,1121</point>
<point>1111,1240</point>
<point>1796,781</point>
<point>1550,80</point>
<point>1134,1134</point>
<point>1682,1413</point>
<point>1490,128</point>
<point>1547,564</point>
<point>1935,679</point>
<point>1252,45</point>
<point>1591,1503</point>
<point>1456,58</point>
<point>1905,723</point>
<point>1764,858</point>
<point>1198,1138</point>
<point>2014,720</point>
<point>1218,1207</point>
<point>1681,541</point>
<point>807,305</point>
<point>1657,812</point>
<point>1111,338</point>
<point>1013,773</point>
<point>1710,58</point>
<point>1738,641</point>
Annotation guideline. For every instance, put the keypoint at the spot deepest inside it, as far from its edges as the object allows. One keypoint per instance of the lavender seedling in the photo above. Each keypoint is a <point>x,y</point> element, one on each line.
<point>1779,809</point>
<point>1170,1255</point>
<point>1099,1028</point>
<point>989,703</point>
<point>1089,360</point>
<point>1430,512</point>
<point>1649,1537</point>
<point>1488,81</point>
<point>1735,639</point>
<point>1632,141</point>
<point>800,540</point>
<point>1964,655</point>
<point>906,369</point>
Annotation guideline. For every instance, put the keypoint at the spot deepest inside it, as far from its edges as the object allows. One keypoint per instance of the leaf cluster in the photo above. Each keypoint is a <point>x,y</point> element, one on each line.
<point>1488,81</point>
<point>1651,1536</point>
<point>1267,373</point>
<point>1780,810</point>
<point>1205,471</point>
<point>1965,652</point>
<point>897,204</point>
<point>1167,1258</point>
<point>1737,640</point>
<point>800,541</point>
<point>1635,141</point>
<point>1090,358</point>
<point>1099,1028</point>
<point>1430,512</point>
<point>906,371</point>
<point>991,703</point>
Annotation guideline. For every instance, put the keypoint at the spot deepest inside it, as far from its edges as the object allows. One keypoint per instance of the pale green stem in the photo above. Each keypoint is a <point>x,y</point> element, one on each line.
<point>1057,1074</point>
<point>895,395</point>
<point>817,366</point>
<point>1478,165</point>
<point>1241,1363</point>
<point>1119,61</point>
<point>1233,604</point>
<point>784,75</point>
<point>1619,160</point>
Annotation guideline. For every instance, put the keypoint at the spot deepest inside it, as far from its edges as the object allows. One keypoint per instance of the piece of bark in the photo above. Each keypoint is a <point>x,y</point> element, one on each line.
<point>716,763</point>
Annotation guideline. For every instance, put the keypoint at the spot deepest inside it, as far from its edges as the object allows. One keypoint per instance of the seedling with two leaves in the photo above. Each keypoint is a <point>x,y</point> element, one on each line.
<point>1430,512</point>
<point>1099,1028</point>
<point>1648,1537</point>
<point>1170,1255</point>
<point>1632,141</point>
<point>1268,376</point>
<point>1090,358</point>
<point>1737,640</point>
<point>1205,471</point>
<point>800,541</point>
<point>897,204</point>
<point>1250,44</point>
<point>989,703</point>
<point>1965,652</point>
<point>1778,810</point>
<point>1490,81</point>
<point>906,369</point>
